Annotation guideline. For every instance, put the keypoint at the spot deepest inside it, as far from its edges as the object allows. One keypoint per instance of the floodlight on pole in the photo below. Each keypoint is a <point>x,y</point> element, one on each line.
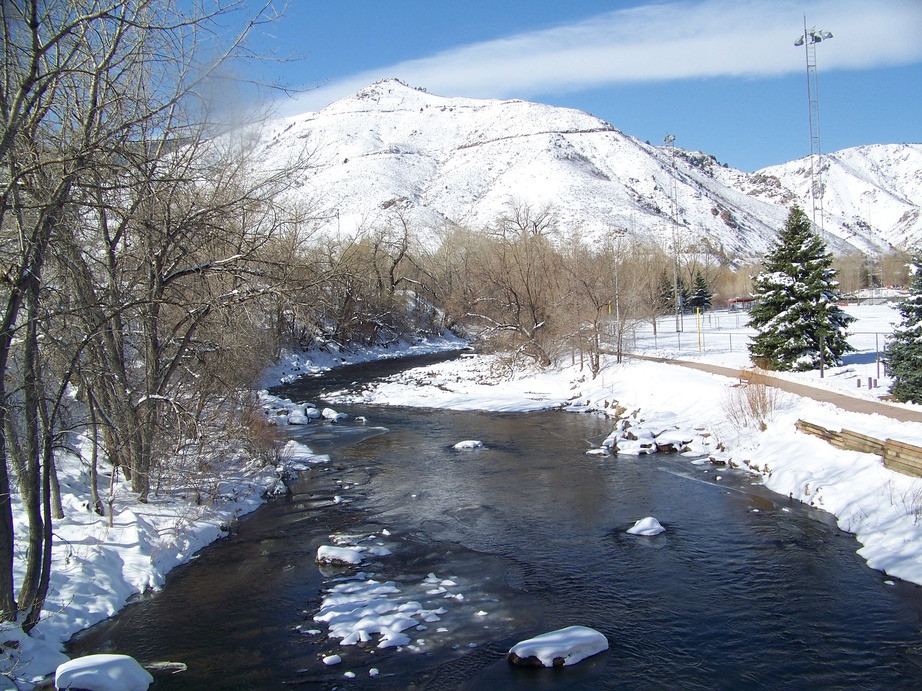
<point>669,140</point>
<point>808,39</point>
<point>618,234</point>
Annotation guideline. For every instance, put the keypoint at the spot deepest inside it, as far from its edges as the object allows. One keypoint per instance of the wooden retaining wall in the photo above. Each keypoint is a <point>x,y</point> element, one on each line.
<point>897,455</point>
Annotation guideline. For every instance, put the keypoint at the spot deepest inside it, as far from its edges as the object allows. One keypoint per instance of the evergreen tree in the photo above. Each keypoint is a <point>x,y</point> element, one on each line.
<point>904,351</point>
<point>667,297</point>
<point>666,300</point>
<point>799,324</point>
<point>701,295</point>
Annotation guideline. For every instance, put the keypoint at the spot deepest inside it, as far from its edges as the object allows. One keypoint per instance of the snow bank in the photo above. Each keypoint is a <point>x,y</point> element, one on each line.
<point>293,364</point>
<point>103,673</point>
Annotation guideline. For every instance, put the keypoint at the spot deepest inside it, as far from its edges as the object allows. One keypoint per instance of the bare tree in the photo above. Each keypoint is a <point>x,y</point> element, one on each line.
<point>184,257</point>
<point>98,102</point>
<point>448,275</point>
<point>521,286</point>
<point>644,274</point>
<point>895,268</point>
<point>594,296</point>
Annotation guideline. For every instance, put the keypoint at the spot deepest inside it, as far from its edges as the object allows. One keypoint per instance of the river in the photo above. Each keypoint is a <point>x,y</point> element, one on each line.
<point>744,589</point>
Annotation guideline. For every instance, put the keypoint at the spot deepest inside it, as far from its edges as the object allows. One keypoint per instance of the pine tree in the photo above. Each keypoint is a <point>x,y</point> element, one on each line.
<point>904,351</point>
<point>668,286</point>
<point>701,295</point>
<point>800,326</point>
<point>666,300</point>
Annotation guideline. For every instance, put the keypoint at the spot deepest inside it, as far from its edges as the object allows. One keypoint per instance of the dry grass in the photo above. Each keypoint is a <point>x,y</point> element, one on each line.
<point>752,402</point>
<point>907,498</point>
<point>260,438</point>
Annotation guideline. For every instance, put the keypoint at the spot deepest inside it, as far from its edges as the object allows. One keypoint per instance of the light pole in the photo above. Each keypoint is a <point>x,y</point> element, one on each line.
<point>808,40</point>
<point>618,234</point>
<point>669,140</point>
<point>868,195</point>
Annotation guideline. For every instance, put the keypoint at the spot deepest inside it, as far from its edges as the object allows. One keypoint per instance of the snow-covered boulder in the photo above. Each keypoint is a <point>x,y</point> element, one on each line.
<point>339,556</point>
<point>636,447</point>
<point>648,527</point>
<point>297,416</point>
<point>674,440</point>
<point>279,419</point>
<point>640,437</point>
<point>558,648</point>
<point>468,444</point>
<point>333,416</point>
<point>103,673</point>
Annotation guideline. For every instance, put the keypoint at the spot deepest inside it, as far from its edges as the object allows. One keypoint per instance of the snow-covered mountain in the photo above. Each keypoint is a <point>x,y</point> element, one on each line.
<point>872,194</point>
<point>392,152</point>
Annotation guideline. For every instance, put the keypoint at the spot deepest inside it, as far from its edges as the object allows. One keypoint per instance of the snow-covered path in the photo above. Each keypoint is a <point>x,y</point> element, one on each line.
<point>839,399</point>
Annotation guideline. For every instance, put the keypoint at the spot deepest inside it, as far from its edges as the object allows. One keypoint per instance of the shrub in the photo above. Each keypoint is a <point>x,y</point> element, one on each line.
<point>752,402</point>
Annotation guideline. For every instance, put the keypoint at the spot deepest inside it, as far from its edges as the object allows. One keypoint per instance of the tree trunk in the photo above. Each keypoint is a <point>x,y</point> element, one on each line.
<point>94,460</point>
<point>8,607</point>
<point>30,479</point>
<point>34,615</point>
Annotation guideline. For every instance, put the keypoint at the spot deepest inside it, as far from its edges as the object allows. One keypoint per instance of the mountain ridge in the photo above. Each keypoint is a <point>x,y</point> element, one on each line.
<point>393,150</point>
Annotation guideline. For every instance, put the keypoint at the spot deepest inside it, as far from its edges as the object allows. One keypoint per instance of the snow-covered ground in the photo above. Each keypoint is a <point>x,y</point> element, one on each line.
<point>98,568</point>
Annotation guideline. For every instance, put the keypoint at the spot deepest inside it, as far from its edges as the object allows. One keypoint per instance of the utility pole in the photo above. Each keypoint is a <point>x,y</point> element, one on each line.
<point>677,299</point>
<point>808,40</point>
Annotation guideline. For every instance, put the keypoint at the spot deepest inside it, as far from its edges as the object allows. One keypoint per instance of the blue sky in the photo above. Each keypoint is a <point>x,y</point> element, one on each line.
<point>724,76</point>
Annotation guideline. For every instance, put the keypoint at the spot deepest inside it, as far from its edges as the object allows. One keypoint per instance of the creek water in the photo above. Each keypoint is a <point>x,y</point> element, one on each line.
<point>744,589</point>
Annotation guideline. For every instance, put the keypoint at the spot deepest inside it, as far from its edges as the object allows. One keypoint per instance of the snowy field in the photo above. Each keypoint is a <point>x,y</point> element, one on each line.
<point>722,338</point>
<point>98,568</point>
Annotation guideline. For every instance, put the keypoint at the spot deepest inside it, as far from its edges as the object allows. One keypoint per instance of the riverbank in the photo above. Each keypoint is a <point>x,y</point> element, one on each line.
<point>882,508</point>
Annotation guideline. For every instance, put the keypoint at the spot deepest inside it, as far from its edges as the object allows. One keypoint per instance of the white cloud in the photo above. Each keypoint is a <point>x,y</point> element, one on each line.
<point>676,40</point>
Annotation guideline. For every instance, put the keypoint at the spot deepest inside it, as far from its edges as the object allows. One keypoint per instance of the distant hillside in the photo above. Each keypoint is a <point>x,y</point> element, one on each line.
<point>392,149</point>
<point>872,193</point>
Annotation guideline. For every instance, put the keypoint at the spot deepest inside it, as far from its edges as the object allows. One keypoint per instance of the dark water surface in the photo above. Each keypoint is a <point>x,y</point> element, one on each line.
<point>744,590</point>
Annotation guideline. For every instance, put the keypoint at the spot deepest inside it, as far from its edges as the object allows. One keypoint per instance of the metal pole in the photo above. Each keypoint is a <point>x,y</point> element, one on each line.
<point>698,314</point>
<point>808,40</point>
<point>670,140</point>
<point>877,351</point>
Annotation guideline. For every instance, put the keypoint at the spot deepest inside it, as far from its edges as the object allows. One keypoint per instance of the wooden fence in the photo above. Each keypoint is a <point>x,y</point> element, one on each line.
<point>897,455</point>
